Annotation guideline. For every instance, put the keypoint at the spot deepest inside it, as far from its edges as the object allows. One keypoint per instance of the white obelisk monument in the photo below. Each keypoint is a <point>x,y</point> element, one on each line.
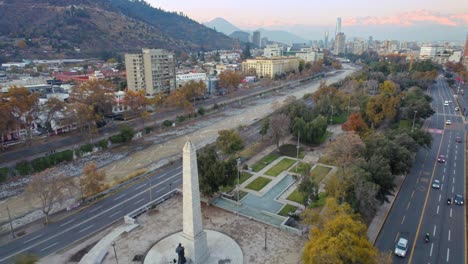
<point>192,217</point>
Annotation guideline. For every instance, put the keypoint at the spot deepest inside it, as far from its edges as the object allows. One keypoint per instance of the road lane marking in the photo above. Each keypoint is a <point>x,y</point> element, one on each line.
<point>123,195</point>
<point>95,209</point>
<point>139,187</point>
<point>139,201</point>
<point>408,205</point>
<point>445,169</point>
<point>66,223</point>
<point>455,165</point>
<point>29,240</point>
<point>435,228</point>
<point>441,186</point>
<point>115,213</point>
<point>432,246</point>
<point>440,197</point>
<point>453,180</point>
<point>412,194</point>
<point>87,220</point>
<point>84,229</point>
<point>448,254</point>
<point>437,209</point>
<point>403,220</point>
<point>453,171</point>
<point>449,235</point>
<point>443,177</point>
<point>49,246</point>
<point>450,212</point>
<point>396,237</point>
<point>452,188</point>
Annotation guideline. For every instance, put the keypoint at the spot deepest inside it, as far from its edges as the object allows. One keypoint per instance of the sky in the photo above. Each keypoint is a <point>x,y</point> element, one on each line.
<point>248,14</point>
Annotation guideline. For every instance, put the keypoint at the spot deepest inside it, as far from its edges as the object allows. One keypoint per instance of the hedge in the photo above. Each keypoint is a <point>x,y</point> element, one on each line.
<point>23,168</point>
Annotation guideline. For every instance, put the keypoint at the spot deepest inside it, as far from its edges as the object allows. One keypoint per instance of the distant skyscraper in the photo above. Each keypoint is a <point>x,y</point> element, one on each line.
<point>370,43</point>
<point>325,43</point>
<point>338,26</point>
<point>256,38</point>
<point>340,44</point>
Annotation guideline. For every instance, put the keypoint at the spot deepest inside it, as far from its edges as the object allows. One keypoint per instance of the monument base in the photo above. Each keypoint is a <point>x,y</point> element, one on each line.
<point>220,248</point>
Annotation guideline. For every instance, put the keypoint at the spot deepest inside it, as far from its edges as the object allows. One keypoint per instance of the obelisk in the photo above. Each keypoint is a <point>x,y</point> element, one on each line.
<point>192,217</point>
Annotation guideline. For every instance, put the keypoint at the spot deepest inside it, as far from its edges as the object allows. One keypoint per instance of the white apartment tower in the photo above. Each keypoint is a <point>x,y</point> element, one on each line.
<point>152,71</point>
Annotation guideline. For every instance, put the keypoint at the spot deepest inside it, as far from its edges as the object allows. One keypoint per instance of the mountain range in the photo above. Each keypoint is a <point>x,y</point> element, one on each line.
<point>222,25</point>
<point>76,28</point>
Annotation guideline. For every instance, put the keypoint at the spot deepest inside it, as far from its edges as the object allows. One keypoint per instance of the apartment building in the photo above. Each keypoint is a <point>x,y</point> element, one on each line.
<point>152,71</point>
<point>270,67</point>
<point>273,50</point>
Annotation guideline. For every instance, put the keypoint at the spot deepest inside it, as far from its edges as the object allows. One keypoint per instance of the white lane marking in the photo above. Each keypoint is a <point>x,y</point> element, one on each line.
<point>29,240</point>
<point>452,188</point>
<point>455,157</point>
<point>437,209</point>
<point>450,212</point>
<point>455,165</point>
<point>66,223</point>
<point>449,235</point>
<point>49,246</point>
<point>453,180</point>
<point>123,195</point>
<point>84,229</point>
<point>87,220</point>
<point>139,201</point>
<point>440,197</point>
<point>435,228</point>
<point>115,213</point>
<point>448,254</point>
<point>443,177</point>
<point>141,186</point>
<point>444,169</point>
<point>432,246</point>
<point>95,209</point>
<point>441,186</point>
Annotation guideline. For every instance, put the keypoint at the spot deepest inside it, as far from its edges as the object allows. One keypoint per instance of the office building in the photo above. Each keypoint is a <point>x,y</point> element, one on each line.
<point>152,71</point>
<point>256,38</point>
<point>270,67</point>
<point>273,50</point>
<point>340,44</point>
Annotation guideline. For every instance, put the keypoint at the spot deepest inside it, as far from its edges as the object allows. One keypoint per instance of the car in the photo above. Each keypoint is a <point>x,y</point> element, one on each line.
<point>458,139</point>
<point>458,199</point>
<point>448,122</point>
<point>401,247</point>
<point>436,184</point>
<point>446,103</point>
<point>441,159</point>
<point>457,108</point>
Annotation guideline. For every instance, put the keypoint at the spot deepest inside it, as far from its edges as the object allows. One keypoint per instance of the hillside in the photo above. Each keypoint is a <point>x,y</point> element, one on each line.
<point>76,28</point>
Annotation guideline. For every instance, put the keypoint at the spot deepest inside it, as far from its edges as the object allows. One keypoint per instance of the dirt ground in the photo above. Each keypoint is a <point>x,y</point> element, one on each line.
<point>282,247</point>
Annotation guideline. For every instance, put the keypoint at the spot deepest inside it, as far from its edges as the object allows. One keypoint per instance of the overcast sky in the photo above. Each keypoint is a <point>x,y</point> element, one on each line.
<point>261,13</point>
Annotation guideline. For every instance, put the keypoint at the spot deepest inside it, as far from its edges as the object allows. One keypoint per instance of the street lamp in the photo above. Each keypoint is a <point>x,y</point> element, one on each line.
<point>149,182</point>
<point>115,253</point>
<point>238,185</point>
<point>414,119</point>
<point>298,146</point>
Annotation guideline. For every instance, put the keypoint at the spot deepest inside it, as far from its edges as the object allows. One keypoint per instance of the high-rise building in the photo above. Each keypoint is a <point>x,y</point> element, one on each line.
<point>152,71</point>
<point>256,38</point>
<point>273,50</point>
<point>325,43</point>
<point>465,60</point>
<point>340,44</point>
<point>338,26</point>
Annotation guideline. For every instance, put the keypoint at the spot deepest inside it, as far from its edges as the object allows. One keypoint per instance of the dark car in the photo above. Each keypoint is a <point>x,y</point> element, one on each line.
<point>441,159</point>
<point>458,199</point>
<point>458,139</point>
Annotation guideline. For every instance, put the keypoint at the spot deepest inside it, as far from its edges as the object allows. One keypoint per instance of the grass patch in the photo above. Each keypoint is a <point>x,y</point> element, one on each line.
<point>259,165</point>
<point>319,172</point>
<point>296,196</point>
<point>320,201</point>
<point>299,168</point>
<point>340,119</point>
<point>281,166</point>
<point>243,177</point>
<point>258,183</point>
<point>251,150</point>
<point>405,124</point>
<point>290,150</point>
<point>287,209</point>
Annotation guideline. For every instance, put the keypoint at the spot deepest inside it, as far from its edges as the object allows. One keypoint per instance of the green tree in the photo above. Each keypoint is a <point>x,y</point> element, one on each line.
<point>265,127</point>
<point>127,133</point>
<point>301,65</point>
<point>229,141</point>
<point>380,173</point>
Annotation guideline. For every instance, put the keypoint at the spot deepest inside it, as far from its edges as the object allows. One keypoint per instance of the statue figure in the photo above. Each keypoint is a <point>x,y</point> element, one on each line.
<point>180,250</point>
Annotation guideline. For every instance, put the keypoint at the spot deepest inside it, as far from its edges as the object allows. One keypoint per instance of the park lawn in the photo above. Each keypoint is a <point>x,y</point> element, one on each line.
<point>404,124</point>
<point>245,176</point>
<point>287,209</point>
<point>320,201</point>
<point>290,150</point>
<point>258,184</point>
<point>340,119</point>
<point>281,166</point>
<point>259,165</point>
<point>299,168</point>
<point>319,172</point>
<point>296,196</point>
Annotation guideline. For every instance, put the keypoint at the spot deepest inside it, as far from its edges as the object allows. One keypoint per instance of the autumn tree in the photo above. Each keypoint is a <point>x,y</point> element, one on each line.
<point>356,123</point>
<point>24,106</point>
<point>84,117</point>
<point>136,103</point>
<point>93,180</point>
<point>338,237</point>
<point>230,80</point>
<point>54,109</point>
<point>279,127</point>
<point>99,95</point>
<point>50,187</point>
<point>7,120</point>
<point>345,149</point>
<point>229,141</point>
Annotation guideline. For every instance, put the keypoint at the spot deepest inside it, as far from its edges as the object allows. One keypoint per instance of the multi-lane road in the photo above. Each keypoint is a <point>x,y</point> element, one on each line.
<point>419,209</point>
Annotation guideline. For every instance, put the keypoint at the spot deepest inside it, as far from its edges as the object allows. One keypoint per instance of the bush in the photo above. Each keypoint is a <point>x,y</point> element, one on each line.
<point>181,119</point>
<point>56,158</point>
<point>201,111</point>
<point>245,167</point>
<point>4,173</point>
<point>215,106</point>
<point>86,148</point>
<point>148,130</point>
<point>116,139</point>
<point>23,168</point>
<point>41,164</point>
<point>102,144</point>
<point>127,133</point>
<point>167,123</point>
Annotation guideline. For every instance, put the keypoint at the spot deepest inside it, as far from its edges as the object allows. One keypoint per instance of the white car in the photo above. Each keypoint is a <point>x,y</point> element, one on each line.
<point>401,247</point>
<point>457,109</point>
<point>436,184</point>
<point>448,122</point>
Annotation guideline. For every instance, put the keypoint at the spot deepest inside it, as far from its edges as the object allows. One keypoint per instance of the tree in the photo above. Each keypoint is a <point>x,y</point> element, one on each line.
<point>339,238</point>
<point>356,123</point>
<point>49,187</point>
<point>92,180</point>
<point>301,65</point>
<point>279,125</point>
<point>127,133</point>
<point>214,173</point>
<point>308,186</point>
<point>54,108</point>
<point>265,127</point>
<point>229,141</point>
<point>8,120</point>
<point>346,149</point>
<point>230,80</point>
<point>99,95</point>
<point>380,174</point>
<point>136,103</point>
<point>84,117</point>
